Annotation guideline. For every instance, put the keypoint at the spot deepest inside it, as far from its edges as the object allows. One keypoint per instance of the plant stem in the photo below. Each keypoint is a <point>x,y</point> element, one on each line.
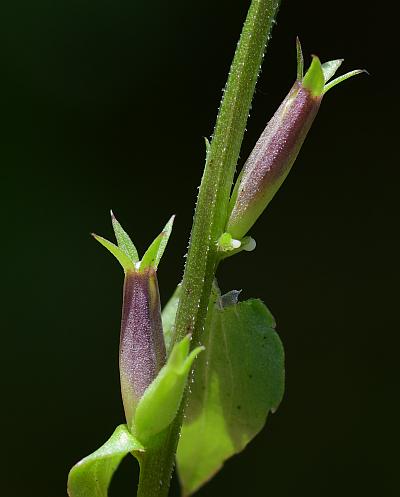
<point>211,217</point>
<point>157,464</point>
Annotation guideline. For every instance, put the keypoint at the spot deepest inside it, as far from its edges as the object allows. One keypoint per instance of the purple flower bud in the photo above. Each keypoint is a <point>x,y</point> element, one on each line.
<point>272,158</point>
<point>142,349</point>
<point>277,148</point>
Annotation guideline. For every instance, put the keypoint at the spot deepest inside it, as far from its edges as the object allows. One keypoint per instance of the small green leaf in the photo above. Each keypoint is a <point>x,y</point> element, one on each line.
<point>237,381</point>
<point>329,68</point>
<point>91,476</point>
<point>168,318</point>
<point>122,258</point>
<point>155,251</point>
<point>300,60</point>
<point>314,78</point>
<point>343,78</point>
<point>124,241</point>
<point>160,402</point>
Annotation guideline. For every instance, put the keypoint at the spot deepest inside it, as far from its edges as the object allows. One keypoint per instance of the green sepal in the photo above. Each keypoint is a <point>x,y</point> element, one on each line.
<point>338,80</point>
<point>118,253</point>
<point>314,79</point>
<point>168,315</point>
<point>300,60</point>
<point>160,402</point>
<point>126,252</point>
<point>154,253</point>
<point>319,74</point>
<point>91,476</point>
<point>329,68</point>
<point>124,241</point>
<point>237,381</point>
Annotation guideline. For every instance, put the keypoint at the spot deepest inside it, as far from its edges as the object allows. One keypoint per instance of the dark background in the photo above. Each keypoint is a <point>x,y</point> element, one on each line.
<point>105,104</point>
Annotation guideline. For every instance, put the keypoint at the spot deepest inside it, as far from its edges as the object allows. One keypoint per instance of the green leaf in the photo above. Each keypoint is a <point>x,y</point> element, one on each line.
<point>124,241</point>
<point>168,318</point>
<point>160,402</point>
<point>91,476</point>
<point>237,381</point>
<point>122,258</point>
<point>338,80</point>
<point>155,251</point>
<point>314,78</point>
<point>329,68</point>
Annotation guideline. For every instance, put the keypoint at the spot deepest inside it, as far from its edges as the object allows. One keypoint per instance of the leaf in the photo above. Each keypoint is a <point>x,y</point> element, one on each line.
<point>124,241</point>
<point>329,68</point>
<point>122,258</point>
<point>91,476</point>
<point>160,402</point>
<point>168,317</point>
<point>237,381</point>
<point>155,251</point>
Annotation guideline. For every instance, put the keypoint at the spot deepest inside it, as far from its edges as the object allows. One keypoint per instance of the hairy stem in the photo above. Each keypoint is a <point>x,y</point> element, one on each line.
<point>211,216</point>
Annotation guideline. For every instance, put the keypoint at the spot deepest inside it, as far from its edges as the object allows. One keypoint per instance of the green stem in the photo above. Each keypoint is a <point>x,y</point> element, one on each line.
<point>213,201</point>
<point>211,215</point>
<point>157,464</point>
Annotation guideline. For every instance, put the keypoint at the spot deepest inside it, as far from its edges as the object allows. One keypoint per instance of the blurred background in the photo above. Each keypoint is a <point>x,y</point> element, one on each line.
<point>104,104</point>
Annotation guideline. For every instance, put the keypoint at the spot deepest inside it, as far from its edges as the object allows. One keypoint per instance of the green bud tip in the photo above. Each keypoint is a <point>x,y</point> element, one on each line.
<point>317,77</point>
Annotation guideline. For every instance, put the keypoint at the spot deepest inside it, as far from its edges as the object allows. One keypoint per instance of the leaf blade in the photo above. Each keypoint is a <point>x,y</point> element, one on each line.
<point>91,476</point>
<point>237,381</point>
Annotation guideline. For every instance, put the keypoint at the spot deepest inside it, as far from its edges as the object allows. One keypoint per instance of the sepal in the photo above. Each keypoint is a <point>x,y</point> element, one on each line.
<point>339,79</point>
<point>314,79</point>
<point>124,241</point>
<point>329,68</point>
<point>125,252</point>
<point>154,253</point>
<point>317,77</point>
<point>126,263</point>
<point>300,60</point>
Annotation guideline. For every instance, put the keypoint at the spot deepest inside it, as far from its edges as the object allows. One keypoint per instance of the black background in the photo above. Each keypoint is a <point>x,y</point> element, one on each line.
<point>105,104</point>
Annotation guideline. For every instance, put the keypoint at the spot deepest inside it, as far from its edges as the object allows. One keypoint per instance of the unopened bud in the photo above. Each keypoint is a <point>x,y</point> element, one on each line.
<point>277,148</point>
<point>142,349</point>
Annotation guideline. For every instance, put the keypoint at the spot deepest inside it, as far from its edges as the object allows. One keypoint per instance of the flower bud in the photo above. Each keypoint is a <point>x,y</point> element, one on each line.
<point>142,349</point>
<point>277,148</point>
